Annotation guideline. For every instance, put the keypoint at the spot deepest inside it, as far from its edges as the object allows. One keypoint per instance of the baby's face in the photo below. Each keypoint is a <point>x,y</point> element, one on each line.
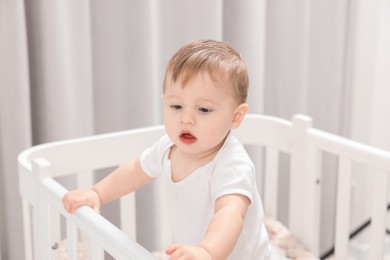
<point>199,115</point>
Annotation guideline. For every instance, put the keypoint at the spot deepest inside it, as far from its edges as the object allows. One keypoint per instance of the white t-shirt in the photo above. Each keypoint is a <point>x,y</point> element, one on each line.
<point>191,201</point>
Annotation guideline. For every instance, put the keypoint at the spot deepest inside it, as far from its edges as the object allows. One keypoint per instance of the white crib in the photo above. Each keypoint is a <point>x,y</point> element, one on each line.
<point>41,191</point>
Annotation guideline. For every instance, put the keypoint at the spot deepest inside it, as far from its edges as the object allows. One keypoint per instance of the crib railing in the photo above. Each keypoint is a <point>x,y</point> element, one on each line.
<point>41,193</point>
<point>103,234</point>
<point>42,207</point>
<point>377,163</point>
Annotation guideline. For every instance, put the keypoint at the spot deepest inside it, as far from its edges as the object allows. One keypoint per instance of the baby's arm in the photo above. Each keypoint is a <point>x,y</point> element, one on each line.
<point>222,233</point>
<point>125,179</point>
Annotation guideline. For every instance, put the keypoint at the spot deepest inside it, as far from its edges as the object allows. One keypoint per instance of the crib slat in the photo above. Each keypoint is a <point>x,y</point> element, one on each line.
<point>40,169</point>
<point>311,214</point>
<point>128,215</point>
<point>271,181</point>
<point>96,252</point>
<point>50,230</point>
<point>303,182</point>
<point>45,218</point>
<point>164,230</point>
<point>378,219</point>
<point>72,239</point>
<point>305,186</point>
<point>55,233</point>
<point>27,230</point>
<point>37,233</point>
<point>343,209</point>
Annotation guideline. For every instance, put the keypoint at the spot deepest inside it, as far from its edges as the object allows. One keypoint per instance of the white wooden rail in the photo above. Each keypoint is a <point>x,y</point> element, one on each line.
<point>378,162</point>
<point>103,234</point>
<point>40,164</point>
<point>41,193</point>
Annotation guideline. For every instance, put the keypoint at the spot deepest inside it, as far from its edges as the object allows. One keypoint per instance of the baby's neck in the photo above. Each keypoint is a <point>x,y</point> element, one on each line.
<point>183,164</point>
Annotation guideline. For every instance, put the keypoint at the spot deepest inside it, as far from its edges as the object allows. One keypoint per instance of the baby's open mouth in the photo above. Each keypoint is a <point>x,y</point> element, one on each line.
<point>187,137</point>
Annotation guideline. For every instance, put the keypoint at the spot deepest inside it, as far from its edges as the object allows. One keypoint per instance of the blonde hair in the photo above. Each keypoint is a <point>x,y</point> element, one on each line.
<point>220,60</point>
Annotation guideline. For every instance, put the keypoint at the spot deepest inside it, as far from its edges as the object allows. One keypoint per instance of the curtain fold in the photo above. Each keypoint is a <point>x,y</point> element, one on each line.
<point>61,69</point>
<point>76,68</point>
<point>15,121</point>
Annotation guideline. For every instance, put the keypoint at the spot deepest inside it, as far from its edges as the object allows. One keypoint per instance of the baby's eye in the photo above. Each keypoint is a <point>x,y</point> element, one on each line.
<point>176,107</point>
<point>204,110</point>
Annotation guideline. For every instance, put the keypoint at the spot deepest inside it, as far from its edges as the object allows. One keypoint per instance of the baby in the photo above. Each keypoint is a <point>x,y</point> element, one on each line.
<point>209,179</point>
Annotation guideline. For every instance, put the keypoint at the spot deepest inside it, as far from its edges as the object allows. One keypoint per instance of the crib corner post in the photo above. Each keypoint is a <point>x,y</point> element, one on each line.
<point>41,230</point>
<point>304,186</point>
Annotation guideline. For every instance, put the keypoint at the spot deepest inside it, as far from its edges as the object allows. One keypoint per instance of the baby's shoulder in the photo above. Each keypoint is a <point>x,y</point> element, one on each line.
<point>233,148</point>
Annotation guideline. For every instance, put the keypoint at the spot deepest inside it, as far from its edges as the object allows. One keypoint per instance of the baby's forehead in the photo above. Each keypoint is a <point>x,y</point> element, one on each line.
<point>216,81</point>
<point>204,79</point>
<point>217,76</point>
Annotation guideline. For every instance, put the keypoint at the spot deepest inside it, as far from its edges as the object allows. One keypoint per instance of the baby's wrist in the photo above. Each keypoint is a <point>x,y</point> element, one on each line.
<point>204,248</point>
<point>98,195</point>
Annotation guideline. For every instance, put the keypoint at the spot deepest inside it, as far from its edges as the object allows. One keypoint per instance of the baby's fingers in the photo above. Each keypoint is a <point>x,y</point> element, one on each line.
<point>77,198</point>
<point>171,249</point>
<point>70,202</point>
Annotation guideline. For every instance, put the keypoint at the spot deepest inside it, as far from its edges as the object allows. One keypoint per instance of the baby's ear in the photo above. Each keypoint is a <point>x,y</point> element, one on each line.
<point>239,114</point>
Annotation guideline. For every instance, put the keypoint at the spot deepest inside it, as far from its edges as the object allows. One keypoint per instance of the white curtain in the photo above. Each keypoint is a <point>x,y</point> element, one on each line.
<point>75,68</point>
<point>15,122</point>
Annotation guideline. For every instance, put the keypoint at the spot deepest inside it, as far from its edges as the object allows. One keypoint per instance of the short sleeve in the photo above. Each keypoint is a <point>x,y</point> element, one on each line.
<point>152,159</point>
<point>234,173</point>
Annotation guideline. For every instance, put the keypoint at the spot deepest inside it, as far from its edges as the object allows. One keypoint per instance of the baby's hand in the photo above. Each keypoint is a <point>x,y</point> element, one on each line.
<point>190,252</point>
<point>77,198</point>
